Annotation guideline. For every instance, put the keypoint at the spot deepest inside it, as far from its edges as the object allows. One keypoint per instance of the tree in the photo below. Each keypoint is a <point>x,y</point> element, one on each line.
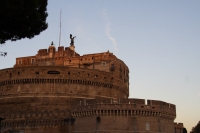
<point>22,19</point>
<point>184,130</point>
<point>196,129</point>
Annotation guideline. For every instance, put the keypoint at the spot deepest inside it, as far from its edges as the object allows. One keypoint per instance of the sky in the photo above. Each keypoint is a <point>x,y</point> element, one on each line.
<point>159,40</point>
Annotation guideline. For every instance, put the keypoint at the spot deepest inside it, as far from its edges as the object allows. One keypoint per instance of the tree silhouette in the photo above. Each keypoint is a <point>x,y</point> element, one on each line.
<point>184,130</point>
<point>22,19</point>
<point>196,129</point>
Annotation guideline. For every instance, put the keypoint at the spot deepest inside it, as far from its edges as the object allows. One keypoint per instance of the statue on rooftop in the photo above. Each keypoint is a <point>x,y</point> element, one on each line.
<point>72,39</point>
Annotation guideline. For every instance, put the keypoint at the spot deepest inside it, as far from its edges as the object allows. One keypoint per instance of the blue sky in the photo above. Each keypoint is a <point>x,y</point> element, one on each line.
<point>159,40</point>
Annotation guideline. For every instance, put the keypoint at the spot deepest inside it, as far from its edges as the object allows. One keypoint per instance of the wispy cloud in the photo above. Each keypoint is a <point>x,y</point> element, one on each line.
<point>108,29</point>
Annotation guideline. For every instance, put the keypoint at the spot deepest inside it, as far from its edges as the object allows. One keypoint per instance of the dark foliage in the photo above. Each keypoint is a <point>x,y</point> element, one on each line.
<point>196,129</point>
<point>22,18</point>
<point>184,130</point>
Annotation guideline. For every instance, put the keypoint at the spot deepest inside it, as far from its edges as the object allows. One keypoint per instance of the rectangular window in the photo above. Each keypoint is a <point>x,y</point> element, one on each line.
<point>32,61</point>
<point>112,67</point>
<point>147,126</point>
<point>18,89</point>
<point>103,63</point>
<point>19,62</point>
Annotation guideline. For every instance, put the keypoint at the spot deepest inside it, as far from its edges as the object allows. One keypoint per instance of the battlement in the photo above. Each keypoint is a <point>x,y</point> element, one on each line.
<point>127,101</point>
<point>130,106</point>
<point>178,125</point>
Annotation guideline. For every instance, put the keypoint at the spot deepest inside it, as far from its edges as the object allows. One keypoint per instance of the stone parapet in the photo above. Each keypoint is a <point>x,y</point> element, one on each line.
<point>134,107</point>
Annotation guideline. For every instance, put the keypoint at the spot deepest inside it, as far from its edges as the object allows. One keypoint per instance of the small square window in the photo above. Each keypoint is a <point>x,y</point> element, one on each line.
<point>103,63</point>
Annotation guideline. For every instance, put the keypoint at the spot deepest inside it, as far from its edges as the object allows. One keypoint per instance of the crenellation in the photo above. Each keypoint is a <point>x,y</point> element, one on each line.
<point>137,108</point>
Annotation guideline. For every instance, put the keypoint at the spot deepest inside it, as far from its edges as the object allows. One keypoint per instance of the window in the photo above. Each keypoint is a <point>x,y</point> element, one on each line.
<point>19,62</point>
<point>53,72</point>
<point>147,126</point>
<point>32,61</point>
<point>103,63</point>
<point>112,67</point>
<point>37,72</point>
<point>98,119</point>
<point>18,89</point>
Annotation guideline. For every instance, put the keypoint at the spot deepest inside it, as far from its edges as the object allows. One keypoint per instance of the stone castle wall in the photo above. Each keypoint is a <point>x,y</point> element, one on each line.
<point>61,81</point>
<point>178,127</point>
<point>34,98</point>
<point>124,115</point>
<point>43,93</point>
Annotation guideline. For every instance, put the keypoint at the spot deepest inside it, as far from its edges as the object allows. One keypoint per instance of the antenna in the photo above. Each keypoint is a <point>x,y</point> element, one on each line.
<point>60,27</point>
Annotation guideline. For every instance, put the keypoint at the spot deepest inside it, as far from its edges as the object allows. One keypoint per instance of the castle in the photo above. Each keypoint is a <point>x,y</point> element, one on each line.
<point>59,91</point>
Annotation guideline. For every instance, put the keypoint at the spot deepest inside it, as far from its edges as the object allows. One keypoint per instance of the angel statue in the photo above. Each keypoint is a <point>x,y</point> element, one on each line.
<point>72,39</point>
